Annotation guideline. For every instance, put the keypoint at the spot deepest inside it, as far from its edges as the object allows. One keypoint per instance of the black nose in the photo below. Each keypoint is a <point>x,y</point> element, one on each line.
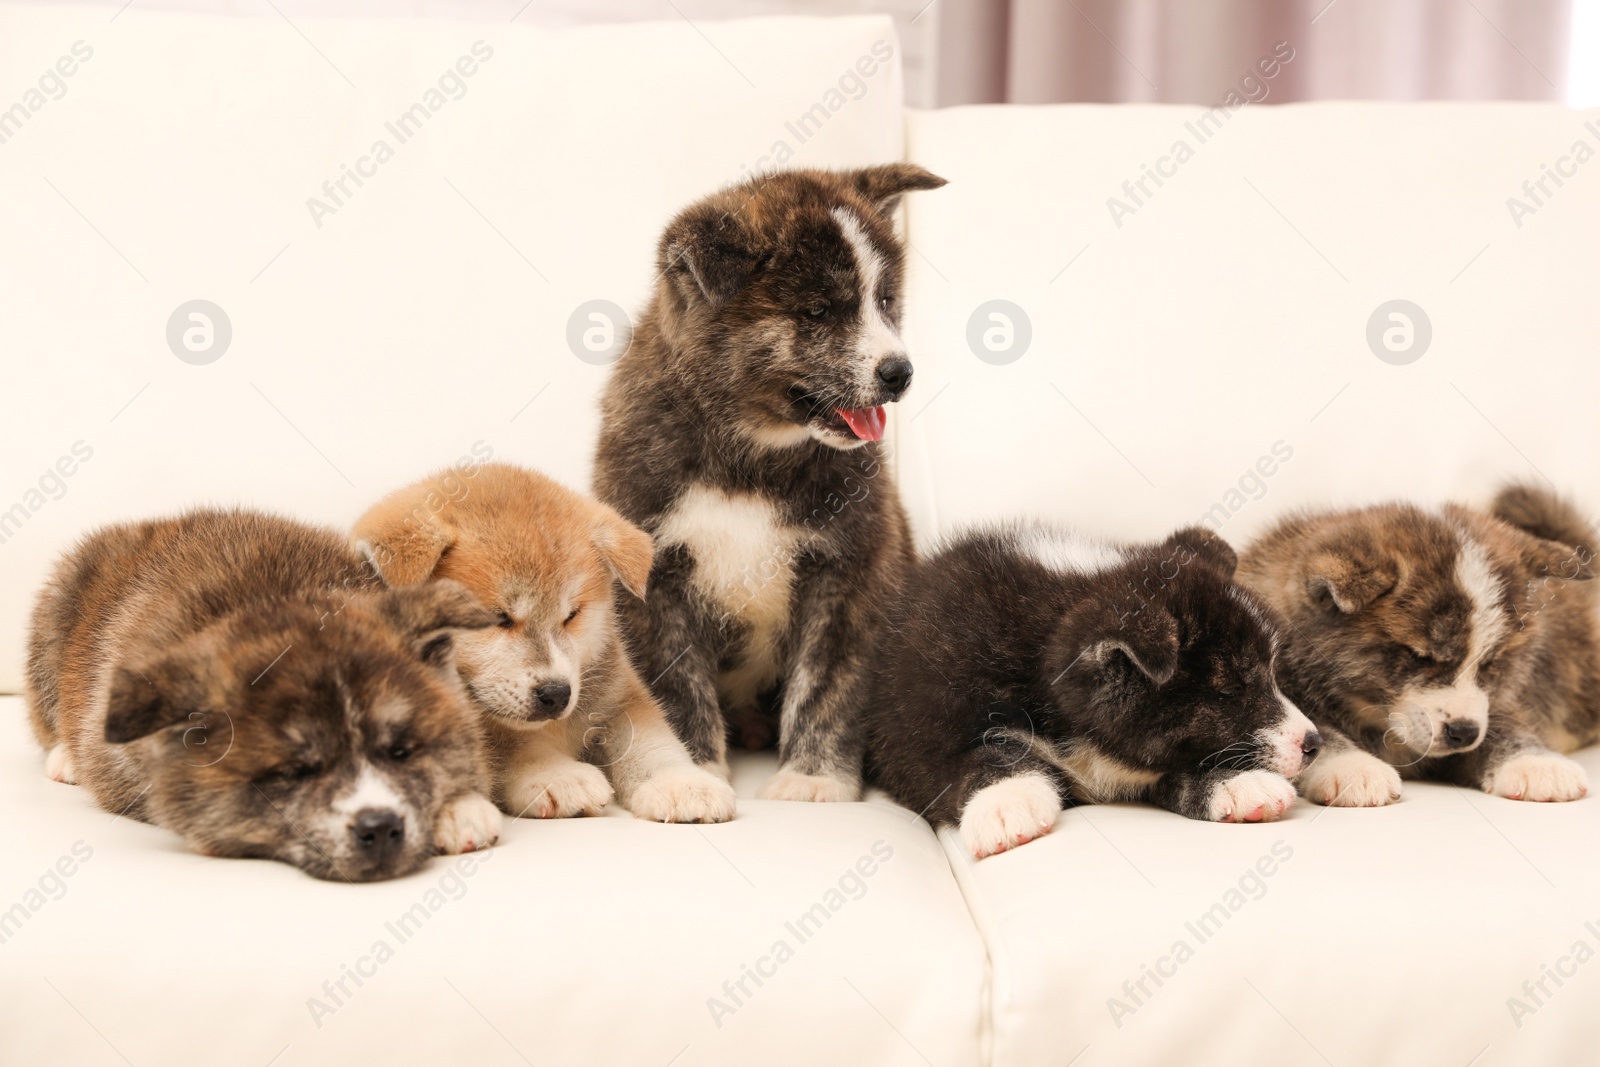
<point>551,698</point>
<point>1310,746</point>
<point>379,832</point>
<point>895,374</point>
<point>1461,733</point>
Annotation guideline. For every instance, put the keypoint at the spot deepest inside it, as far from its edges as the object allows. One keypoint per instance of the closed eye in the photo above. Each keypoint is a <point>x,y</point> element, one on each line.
<point>817,309</point>
<point>571,615</point>
<point>291,772</point>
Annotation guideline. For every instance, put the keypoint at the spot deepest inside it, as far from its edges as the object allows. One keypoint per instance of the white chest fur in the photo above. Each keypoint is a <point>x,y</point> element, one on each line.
<point>744,564</point>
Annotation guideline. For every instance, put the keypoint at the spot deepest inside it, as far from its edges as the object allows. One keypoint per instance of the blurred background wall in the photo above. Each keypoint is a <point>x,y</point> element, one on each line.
<point>1113,51</point>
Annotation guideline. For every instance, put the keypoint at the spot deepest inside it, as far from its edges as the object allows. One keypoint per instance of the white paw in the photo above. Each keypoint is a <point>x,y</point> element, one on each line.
<point>1254,796</point>
<point>559,792</point>
<point>58,766</point>
<point>683,794</point>
<point>815,788</point>
<point>1011,812</point>
<point>466,824</point>
<point>1539,776</point>
<point>1350,779</point>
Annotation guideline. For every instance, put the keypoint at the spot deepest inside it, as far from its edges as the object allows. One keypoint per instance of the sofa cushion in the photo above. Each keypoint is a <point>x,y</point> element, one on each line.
<point>602,940</point>
<point>380,331</point>
<point>1201,348</point>
<point>1384,936</point>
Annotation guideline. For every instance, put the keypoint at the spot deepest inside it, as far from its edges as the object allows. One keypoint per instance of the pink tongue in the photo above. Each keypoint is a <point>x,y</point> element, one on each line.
<point>865,423</point>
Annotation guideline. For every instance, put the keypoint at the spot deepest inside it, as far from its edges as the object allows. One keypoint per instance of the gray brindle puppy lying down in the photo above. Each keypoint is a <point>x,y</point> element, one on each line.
<point>248,683</point>
<point>743,429</point>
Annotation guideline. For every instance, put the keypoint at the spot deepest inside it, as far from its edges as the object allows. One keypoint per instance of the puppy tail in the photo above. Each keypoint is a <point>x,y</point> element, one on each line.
<point>1544,514</point>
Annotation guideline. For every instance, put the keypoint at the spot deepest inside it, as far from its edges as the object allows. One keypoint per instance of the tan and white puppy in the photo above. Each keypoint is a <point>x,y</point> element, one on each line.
<point>1443,644</point>
<point>570,721</point>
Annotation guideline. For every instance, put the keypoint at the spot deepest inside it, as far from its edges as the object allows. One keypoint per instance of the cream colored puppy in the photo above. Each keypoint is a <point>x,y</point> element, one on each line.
<point>570,721</point>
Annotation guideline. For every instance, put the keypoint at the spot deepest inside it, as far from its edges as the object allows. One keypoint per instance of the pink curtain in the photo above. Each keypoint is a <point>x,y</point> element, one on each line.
<point>1197,51</point>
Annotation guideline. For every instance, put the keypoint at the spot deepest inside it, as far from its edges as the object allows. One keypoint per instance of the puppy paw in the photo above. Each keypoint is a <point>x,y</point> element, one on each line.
<point>559,792</point>
<point>1254,796</point>
<point>1011,812</point>
<point>58,766</point>
<point>1350,779</point>
<point>466,824</point>
<point>683,794</point>
<point>814,788</point>
<point>1538,776</point>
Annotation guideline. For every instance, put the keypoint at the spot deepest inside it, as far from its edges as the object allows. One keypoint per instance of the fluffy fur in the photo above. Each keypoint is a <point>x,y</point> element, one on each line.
<point>1443,644</point>
<point>1025,668</point>
<point>246,682</point>
<point>742,429</point>
<point>569,719</point>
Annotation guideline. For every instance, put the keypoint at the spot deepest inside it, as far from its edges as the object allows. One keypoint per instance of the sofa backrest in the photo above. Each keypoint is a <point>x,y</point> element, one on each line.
<point>400,220</point>
<point>1206,298</point>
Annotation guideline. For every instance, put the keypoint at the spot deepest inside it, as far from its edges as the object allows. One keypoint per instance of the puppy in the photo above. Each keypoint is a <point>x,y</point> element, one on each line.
<point>1025,668</point>
<point>246,682</point>
<point>743,428</point>
<point>1448,644</point>
<point>569,719</point>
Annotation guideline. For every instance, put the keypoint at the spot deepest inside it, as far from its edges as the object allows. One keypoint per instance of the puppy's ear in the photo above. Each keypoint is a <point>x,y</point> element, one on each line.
<point>884,185</point>
<point>627,550</point>
<point>1096,637</point>
<point>153,696</point>
<point>709,254</point>
<point>429,614</point>
<point>403,538</point>
<point>1349,576</point>
<point>1198,542</point>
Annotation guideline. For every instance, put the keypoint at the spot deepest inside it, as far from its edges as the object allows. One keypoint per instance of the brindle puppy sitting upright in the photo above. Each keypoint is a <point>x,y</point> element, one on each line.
<point>743,429</point>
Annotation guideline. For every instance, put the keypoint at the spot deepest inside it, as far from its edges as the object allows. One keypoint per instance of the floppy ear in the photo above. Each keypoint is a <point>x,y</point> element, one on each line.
<point>1198,542</point>
<point>709,254</point>
<point>427,614</point>
<point>401,538</point>
<point>627,550</point>
<point>1350,577</point>
<point>1150,642</point>
<point>143,700</point>
<point>1095,636</point>
<point>884,185</point>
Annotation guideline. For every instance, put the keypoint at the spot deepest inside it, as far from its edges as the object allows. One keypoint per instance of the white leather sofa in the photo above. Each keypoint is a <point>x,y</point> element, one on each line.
<point>1202,354</point>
